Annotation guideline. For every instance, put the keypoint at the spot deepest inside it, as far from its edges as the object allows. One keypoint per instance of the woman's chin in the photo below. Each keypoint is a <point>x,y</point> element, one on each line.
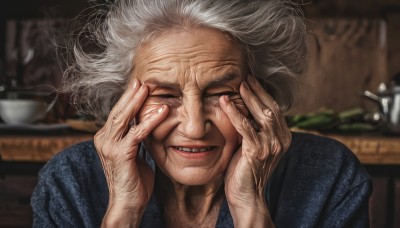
<point>196,177</point>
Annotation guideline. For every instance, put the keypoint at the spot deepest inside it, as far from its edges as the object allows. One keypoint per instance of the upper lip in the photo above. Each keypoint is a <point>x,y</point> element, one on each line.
<point>193,144</point>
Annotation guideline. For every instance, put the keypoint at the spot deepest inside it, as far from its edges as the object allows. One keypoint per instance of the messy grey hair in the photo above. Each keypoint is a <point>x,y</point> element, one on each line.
<point>271,32</point>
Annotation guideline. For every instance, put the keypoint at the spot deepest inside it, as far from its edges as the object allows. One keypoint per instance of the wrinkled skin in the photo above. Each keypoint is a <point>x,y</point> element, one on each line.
<point>195,92</point>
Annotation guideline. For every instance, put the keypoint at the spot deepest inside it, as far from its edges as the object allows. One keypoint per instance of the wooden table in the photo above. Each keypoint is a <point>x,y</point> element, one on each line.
<point>379,150</point>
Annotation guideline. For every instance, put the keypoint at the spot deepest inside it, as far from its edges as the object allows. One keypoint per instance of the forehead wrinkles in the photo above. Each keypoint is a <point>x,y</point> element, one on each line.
<point>184,56</point>
<point>165,53</point>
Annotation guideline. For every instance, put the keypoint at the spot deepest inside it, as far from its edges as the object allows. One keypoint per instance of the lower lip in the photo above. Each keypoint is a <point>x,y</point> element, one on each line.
<point>196,155</point>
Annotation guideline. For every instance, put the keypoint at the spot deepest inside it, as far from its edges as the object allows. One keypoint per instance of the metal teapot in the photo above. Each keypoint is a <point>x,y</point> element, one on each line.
<point>388,99</point>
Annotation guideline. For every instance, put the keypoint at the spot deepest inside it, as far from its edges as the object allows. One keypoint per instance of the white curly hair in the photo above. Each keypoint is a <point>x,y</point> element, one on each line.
<point>272,33</point>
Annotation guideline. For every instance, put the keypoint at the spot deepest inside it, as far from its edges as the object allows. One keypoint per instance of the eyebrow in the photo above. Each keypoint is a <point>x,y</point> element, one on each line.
<point>164,84</point>
<point>220,81</point>
<point>224,79</point>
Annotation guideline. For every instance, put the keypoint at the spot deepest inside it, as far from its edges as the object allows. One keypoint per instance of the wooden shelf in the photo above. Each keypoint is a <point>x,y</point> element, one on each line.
<point>377,150</point>
<point>34,148</point>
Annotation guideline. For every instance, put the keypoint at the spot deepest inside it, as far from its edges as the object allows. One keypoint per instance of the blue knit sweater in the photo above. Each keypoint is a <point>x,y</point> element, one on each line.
<point>318,183</point>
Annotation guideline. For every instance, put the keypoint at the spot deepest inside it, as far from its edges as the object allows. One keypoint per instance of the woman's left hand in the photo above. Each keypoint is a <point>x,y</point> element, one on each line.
<point>264,142</point>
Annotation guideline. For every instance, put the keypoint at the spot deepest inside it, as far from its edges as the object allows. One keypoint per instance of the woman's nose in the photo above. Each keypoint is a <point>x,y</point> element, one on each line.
<point>194,124</point>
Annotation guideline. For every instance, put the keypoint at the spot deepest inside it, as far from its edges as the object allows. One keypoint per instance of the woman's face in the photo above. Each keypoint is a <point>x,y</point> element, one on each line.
<point>189,70</point>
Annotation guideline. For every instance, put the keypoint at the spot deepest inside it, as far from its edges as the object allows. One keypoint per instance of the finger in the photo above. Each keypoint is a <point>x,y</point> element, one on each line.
<point>138,132</point>
<point>252,102</point>
<point>119,123</point>
<point>263,96</point>
<point>272,112</point>
<point>241,123</point>
<point>133,106</point>
<point>126,97</point>
<point>266,100</point>
<point>130,103</point>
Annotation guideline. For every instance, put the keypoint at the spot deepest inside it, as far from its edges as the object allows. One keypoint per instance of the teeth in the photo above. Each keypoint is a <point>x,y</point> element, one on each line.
<point>193,150</point>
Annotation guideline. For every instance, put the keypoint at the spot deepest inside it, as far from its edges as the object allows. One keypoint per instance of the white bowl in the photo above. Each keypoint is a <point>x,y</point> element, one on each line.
<point>22,111</point>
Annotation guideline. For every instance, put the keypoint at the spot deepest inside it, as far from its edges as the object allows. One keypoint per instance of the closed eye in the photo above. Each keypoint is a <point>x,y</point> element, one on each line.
<point>165,96</point>
<point>227,93</point>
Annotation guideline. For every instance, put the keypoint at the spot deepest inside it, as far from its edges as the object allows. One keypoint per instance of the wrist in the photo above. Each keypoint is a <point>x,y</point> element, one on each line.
<point>119,215</point>
<point>256,215</point>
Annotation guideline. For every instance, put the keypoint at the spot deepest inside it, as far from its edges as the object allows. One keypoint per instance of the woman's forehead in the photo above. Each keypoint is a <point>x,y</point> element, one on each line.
<point>182,55</point>
<point>179,40</point>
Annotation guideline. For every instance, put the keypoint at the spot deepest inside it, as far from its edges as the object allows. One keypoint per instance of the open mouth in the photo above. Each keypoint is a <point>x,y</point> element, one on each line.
<point>195,150</point>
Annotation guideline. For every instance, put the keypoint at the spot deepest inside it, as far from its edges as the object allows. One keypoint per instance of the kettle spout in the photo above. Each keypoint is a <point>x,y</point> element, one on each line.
<point>384,102</point>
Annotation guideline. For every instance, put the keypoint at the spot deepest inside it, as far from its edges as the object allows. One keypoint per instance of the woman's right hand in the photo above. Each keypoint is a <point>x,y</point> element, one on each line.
<point>130,180</point>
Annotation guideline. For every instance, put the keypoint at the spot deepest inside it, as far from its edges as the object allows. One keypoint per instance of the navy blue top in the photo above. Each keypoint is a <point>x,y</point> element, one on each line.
<point>317,183</point>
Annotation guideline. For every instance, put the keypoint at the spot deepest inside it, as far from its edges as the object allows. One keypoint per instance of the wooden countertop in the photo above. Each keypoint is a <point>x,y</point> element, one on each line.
<point>36,148</point>
<point>40,148</point>
<point>374,150</point>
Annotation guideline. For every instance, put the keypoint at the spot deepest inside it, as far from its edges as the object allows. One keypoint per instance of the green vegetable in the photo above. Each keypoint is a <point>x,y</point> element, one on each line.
<point>351,114</point>
<point>322,120</point>
<point>356,127</point>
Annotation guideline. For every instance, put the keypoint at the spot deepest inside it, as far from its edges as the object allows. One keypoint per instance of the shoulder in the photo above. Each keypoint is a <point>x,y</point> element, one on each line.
<point>71,188</point>
<point>304,143</point>
<point>324,159</point>
<point>83,152</point>
<point>316,177</point>
<point>319,152</point>
<point>73,164</point>
<point>77,158</point>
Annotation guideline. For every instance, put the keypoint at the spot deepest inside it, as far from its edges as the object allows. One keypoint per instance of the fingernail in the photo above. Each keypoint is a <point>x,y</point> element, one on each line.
<point>225,98</point>
<point>135,83</point>
<point>143,86</point>
<point>160,109</point>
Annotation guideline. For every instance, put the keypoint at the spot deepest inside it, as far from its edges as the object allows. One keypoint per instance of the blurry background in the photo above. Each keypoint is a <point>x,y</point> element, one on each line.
<point>354,46</point>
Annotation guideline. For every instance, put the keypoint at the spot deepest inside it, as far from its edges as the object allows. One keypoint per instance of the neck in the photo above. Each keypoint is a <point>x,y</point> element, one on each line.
<point>192,203</point>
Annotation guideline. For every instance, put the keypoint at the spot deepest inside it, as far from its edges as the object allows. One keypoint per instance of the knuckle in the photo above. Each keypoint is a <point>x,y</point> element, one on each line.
<point>138,132</point>
<point>116,119</point>
<point>106,150</point>
<point>251,151</point>
<point>266,123</point>
<point>268,117</point>
<point>98,140</point>
<point>286,143</point>
<point>276,106</point>
<point>245,124</point>
<point>256,148</point>
<point>276,147</point>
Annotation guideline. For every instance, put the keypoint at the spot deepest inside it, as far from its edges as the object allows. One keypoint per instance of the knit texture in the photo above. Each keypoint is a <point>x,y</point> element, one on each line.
<point>317,183</point>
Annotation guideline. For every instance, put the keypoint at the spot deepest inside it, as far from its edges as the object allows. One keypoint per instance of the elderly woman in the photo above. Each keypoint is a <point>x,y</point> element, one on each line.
<point>191,93</point>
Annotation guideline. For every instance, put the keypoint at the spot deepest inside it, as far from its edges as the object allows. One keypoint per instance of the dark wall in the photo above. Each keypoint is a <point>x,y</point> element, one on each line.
<point>42,8</point>
<point>349,8</point>
<point>30,9</point>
